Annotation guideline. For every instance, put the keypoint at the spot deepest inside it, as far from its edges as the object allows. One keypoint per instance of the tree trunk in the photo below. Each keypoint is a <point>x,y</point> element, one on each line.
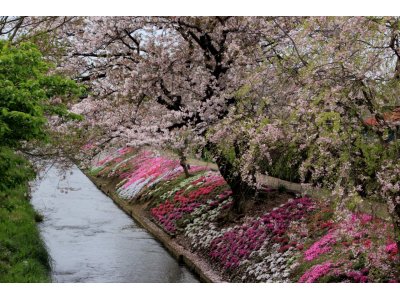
<point>184,164</point>
<point>241,190</point>
<point>241,193</point>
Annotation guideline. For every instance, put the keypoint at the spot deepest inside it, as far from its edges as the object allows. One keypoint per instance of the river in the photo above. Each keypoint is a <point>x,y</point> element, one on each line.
<point>91,240</point>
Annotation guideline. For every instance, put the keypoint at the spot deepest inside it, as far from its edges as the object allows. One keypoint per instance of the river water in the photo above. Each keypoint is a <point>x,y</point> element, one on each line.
<point>91,240</point>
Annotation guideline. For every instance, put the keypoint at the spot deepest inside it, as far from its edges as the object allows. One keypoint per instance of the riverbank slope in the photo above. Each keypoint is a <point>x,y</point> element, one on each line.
<point>281,238</point>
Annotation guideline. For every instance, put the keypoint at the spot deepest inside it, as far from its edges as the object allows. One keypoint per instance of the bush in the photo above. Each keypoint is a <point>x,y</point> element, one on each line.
<point>14,169</point>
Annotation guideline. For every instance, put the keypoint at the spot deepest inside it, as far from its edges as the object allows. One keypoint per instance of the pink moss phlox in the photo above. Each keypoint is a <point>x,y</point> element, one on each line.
<point>237,244</point>
<point>146,165</point>
<point>184,202</point>
<point>316,272</point>
<point>114,157</point>
<point>146,169</point>
<point>321,246</point>
<point>88,146</point>
<point>153,167</point>
<point>124,150</point>
<point>357,276</point>
<point>361,217</point>
<point>104,160</point>
<point>392,249</point>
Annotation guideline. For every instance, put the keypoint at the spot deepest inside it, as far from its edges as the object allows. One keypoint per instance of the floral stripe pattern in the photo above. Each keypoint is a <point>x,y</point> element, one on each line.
<point>299,240</point>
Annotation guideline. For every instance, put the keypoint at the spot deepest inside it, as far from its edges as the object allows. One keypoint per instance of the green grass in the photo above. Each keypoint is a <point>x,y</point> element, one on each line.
<point>23,255</point>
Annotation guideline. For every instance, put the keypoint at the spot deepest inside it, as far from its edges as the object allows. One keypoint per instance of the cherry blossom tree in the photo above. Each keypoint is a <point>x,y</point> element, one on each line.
<point>348,69</point>
<point>171,80</point>
<point>248,90</point>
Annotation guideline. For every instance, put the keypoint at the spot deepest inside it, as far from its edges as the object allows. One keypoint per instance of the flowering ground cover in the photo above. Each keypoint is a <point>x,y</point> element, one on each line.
<point>237,244</point>
<point>356,248</point>
<point>207,189</point>
<point>108,162</point>
<point>300,240</point>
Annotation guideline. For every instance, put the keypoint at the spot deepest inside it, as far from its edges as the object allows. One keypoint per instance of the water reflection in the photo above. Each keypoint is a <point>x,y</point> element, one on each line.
<point>91,240</point>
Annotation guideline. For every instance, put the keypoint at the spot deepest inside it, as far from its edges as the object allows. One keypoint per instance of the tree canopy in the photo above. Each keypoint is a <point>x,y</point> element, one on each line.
<point>29,94</point>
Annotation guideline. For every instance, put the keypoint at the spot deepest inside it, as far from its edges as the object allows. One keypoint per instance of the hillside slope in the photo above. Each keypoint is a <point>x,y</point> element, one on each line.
<point>281,238</point>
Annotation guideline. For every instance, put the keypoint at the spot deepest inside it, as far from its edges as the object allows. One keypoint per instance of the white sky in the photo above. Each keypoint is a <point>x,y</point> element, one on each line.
<point>200,7</point>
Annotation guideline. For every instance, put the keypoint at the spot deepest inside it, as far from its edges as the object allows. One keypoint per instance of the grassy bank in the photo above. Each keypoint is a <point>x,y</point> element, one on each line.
<point>23,255</point>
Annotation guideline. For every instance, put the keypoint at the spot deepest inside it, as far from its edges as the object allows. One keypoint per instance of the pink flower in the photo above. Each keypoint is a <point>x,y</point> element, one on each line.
<point>392,249</point>
<point>320,247</point>
<point>367,243</point>
<point>250,236</point>
<point>88,146</point>
<point>365,218</point>
<point>316,272</point>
